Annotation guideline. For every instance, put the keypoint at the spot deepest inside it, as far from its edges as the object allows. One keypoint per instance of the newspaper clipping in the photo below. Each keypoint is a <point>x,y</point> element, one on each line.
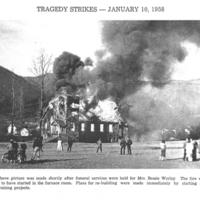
<point>99,99</point>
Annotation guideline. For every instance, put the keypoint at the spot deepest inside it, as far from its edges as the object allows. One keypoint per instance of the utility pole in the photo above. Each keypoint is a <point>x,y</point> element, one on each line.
<point>13,103</point>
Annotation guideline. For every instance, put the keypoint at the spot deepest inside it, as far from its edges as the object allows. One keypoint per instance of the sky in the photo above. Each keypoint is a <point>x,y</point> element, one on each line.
<point>189,69</point>
<point>21,42</point>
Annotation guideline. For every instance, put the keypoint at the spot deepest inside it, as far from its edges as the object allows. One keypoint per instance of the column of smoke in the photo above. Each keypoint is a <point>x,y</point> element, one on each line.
<point>74,76</point>
<point>137,73</point>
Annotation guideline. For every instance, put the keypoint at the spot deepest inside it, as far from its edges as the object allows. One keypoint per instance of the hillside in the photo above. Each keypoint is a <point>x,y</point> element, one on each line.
<point>26,94</point>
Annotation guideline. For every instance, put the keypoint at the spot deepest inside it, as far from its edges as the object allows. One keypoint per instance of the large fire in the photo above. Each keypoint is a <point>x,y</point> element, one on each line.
<point>138,76</point>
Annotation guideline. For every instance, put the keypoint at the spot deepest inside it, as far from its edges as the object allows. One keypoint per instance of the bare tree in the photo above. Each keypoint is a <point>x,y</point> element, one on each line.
<point>41,67</point>
<point>21,103</point>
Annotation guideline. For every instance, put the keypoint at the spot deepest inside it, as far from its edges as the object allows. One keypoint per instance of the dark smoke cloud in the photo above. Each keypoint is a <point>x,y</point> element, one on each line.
<point>65,67</point>
<point>143,53</point>
<point>72,72</point>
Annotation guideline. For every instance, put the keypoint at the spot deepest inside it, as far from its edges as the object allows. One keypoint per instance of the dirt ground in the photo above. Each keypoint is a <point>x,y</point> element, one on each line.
<point>84,156</point>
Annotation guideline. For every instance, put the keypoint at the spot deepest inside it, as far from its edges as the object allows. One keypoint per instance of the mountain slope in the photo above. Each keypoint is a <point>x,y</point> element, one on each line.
<point>26,95</point>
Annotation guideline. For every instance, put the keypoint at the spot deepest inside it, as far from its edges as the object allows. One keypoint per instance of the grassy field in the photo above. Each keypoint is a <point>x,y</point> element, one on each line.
<point>84,156</point>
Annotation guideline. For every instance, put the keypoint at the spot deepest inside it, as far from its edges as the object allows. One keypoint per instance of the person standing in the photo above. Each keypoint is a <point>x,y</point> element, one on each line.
<point>70,143</point>
<point>37,147</point>
<point>10,151</point>
<point>163,149</point>
<point>99,145</point>
<point>9,154</point>
<point>184,149</point>
<point>22,152</point>
<point>194,151</point>
<point>15,150</point>
<point>189,150</point>
<point>123,146</point>
<point>40,141</point>
<point>128,144</point>
<point>60,144</point>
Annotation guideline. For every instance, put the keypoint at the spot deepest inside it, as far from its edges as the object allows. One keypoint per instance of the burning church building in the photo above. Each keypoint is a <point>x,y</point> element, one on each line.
<point>65,115</point>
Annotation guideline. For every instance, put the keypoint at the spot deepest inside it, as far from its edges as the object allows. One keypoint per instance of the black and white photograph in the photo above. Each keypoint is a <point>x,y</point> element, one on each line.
<point>99,94</point>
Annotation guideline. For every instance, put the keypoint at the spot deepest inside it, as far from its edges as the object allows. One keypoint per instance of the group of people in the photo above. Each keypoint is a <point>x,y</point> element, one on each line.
<point>70,142</point>
<point>190,148</point>
<point>125,143</point>
<point>17,152</point>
